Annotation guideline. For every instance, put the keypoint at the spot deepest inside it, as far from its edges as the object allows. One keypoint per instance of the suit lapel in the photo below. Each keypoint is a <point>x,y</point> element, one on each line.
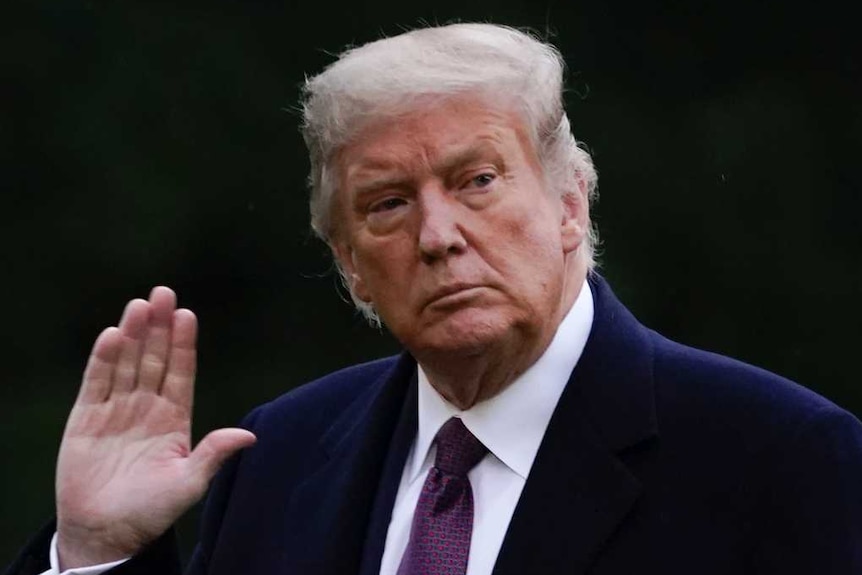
<point>352,492</point>
<point>580,489</point>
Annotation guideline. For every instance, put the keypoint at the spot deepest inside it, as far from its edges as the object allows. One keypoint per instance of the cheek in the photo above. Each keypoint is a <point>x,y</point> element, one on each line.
<point>535,239</point>
<point>384,263</point>
<point>529,257</point>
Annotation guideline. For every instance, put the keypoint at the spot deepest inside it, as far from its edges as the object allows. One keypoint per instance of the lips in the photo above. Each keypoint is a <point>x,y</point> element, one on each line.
<point>450,290</point>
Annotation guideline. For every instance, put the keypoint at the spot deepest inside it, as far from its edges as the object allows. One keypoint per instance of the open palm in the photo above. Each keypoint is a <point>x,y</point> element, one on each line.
<point>126,470</point>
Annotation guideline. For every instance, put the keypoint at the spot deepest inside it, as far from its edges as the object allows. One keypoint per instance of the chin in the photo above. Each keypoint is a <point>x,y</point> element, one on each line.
<point>465,332</point>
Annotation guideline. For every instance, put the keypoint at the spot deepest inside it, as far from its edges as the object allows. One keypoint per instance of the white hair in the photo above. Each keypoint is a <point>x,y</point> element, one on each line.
<point>394,75</point>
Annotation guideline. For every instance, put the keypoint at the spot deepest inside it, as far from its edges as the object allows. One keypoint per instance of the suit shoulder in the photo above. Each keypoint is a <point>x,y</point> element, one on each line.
<point>732,394</point>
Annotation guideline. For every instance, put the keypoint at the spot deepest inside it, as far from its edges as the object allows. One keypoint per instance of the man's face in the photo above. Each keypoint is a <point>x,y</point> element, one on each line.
<point>445,225</point>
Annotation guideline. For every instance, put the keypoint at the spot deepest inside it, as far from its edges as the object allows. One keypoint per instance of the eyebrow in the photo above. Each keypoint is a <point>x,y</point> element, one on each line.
<point>382,183</point>
<point>468,154</point>
<point>451,162</point>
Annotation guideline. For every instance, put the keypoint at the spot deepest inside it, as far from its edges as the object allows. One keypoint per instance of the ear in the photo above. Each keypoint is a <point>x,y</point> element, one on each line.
<point>346,258</point>
<point>575,219</point>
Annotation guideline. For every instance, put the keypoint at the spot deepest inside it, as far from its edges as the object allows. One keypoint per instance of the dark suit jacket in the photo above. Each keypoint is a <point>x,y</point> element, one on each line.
<point>658,459</point>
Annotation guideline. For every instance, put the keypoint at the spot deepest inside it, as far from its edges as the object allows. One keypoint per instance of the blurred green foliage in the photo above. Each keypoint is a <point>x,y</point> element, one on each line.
<point>153,143</point>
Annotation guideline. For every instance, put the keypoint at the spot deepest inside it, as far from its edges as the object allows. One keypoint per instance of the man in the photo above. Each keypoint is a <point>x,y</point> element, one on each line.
<point>531,426</point>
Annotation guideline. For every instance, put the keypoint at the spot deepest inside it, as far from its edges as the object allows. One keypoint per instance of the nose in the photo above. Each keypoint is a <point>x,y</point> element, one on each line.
<point>440,232</point>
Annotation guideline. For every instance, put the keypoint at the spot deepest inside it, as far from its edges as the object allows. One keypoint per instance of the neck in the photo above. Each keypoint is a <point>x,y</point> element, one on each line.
<point>475,377</point>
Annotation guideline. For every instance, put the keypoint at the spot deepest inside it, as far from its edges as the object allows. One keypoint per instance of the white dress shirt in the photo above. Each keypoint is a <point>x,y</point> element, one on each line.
<point>511,425</point>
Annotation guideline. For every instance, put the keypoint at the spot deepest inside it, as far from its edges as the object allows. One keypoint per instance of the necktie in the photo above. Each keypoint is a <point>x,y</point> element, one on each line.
<point>443,521</point>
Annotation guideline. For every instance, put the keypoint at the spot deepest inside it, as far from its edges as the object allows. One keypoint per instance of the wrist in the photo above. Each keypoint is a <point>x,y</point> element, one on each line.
<point>85,550</point>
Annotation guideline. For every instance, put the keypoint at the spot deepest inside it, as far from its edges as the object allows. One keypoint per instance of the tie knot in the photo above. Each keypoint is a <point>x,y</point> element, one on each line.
<point>458,450</point>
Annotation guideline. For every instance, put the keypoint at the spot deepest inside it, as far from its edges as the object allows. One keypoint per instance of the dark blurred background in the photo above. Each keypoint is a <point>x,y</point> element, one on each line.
<point>157,143</point>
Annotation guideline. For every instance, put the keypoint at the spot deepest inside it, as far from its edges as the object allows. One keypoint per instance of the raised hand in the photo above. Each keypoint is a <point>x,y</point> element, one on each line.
<point>126,471</point>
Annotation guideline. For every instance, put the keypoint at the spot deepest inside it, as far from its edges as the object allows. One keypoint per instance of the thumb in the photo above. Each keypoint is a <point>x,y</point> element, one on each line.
<point>214,449</point>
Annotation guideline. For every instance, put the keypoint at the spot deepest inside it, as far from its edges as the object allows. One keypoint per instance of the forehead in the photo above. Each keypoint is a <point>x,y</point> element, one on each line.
<point>436,132</point>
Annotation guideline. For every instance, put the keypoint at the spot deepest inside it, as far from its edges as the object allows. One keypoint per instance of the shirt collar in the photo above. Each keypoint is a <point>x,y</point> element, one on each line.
<point>512,423</point>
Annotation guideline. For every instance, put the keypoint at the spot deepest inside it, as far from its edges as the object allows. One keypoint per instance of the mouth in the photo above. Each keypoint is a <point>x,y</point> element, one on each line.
<point>453,294</point>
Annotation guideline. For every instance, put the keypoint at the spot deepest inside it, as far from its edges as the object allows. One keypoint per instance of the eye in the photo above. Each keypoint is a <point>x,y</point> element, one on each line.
<point>386,204</point>
<point>483,180</point>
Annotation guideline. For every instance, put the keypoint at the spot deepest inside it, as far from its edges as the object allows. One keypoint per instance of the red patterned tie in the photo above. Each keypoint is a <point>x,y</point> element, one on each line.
<point>443,521</point>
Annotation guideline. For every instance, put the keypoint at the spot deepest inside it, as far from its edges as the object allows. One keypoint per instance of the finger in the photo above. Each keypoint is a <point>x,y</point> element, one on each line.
<point>179,381</point>
<point>213,450</point>
<point>133,327</point>
<point>96,386</point>
<point>154,354</point>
